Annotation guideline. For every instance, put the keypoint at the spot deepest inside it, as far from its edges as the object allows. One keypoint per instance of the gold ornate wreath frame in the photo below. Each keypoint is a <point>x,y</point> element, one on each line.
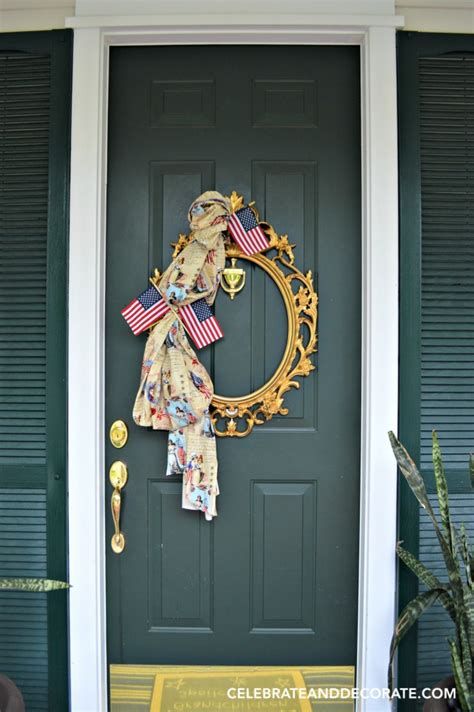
<point>237,416</point>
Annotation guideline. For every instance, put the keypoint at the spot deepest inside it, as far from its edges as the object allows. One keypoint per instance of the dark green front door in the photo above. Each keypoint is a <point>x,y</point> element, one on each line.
<point>273,580</point>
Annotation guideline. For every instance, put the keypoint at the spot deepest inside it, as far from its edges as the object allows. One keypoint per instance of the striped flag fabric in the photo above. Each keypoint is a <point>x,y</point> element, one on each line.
<point>145,310</point>
<point>246,231</point>
<point>200,323</point>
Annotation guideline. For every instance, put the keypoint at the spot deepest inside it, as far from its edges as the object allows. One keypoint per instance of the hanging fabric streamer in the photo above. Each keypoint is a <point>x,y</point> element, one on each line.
<point>175,390</point>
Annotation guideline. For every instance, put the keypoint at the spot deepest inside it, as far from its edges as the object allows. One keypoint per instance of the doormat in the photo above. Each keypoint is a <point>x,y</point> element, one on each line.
<point>166,688</point>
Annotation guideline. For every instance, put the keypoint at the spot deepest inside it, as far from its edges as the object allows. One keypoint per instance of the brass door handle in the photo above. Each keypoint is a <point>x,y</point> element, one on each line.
<point>118,475</point>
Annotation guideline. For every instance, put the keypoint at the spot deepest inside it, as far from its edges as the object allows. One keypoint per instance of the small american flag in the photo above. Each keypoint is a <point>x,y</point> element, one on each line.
<point>246,231</point>
<point>145,310</point>
<point>200,323</point>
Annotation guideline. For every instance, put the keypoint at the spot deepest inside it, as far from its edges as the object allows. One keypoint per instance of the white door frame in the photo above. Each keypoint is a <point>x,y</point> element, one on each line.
<point>379,405</point>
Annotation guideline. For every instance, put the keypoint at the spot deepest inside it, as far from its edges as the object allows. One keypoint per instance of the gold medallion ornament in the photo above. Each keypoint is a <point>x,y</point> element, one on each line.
<point>237,416</point>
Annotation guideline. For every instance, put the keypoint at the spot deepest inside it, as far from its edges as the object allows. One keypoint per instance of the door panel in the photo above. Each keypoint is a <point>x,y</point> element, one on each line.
<point>273,580</point>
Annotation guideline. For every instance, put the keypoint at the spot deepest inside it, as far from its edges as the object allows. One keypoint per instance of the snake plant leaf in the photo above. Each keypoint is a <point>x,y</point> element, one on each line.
<point>456,596</point>
<point>466,555</point>
<point>406,619</point>
<point>455,547</point>
<point>428,578</point>
<point>462,687</point>
<point>31,584</point>
<point>452,564</point>
<point>441,487</point>
<point>410,471</point>
<point>461,619</point>
<point>466,658</point>
<point>469,607</point>
<point>419,569</point>
<point>415,481</point>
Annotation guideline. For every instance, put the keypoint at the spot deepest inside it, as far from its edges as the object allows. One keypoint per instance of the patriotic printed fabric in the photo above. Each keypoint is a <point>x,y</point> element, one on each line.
<point>145,310</point>
<point>246,231</point>
<point>200,323</point>
<point>175,390</point>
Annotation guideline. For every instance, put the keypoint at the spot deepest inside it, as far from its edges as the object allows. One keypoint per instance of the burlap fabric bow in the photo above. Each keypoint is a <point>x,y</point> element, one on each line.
<point>175,389</point>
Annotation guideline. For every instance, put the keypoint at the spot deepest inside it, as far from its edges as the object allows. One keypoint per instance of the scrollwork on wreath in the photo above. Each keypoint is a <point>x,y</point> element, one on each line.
<point>237,416</point>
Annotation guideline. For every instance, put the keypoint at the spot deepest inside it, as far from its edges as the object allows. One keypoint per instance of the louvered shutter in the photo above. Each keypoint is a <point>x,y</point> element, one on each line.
<point>24,137</point>
<point>33,117</point>
<point>447,194</point>
<point>446,130</point>
<point>24,129</point>
<point>23,616</point>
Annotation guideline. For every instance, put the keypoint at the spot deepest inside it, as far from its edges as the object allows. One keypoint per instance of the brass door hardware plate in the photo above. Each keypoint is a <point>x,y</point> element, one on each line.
<point>118,433</point>
<point>118,474</point>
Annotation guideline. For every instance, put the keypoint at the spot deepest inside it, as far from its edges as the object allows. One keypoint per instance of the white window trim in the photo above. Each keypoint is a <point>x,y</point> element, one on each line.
<point>379,404</point>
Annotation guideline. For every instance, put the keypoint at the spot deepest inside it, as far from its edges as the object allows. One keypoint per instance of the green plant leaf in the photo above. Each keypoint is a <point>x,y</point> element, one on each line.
<point>466,658</point>
<point>466,554</point>
<point>406,619</point>
<point>469,608</point>
<point>410,471</point>
<point>31,584</point>
<point>461,617</point>
<point>428,578</point>
<point>441,488</point>
<point>452,565</point>
<point>457,597</point>
<point>462,687</point>
<point>415,481</point>
<point>419,569</point>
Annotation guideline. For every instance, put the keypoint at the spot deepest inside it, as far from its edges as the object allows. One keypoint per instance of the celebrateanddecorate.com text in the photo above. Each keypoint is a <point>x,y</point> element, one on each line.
<point>339,693</point>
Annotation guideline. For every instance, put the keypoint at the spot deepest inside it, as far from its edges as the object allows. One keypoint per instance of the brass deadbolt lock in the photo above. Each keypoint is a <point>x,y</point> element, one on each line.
<point>118,434</point>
